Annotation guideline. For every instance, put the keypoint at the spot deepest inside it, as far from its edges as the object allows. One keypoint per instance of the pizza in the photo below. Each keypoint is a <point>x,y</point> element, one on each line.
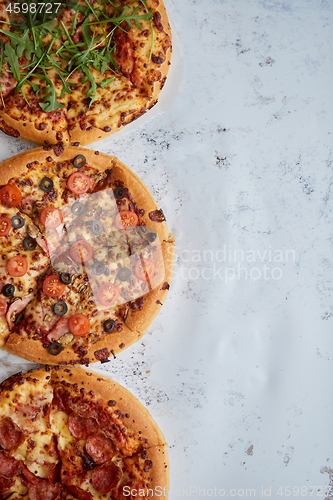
<point>86,256</point>
<point>78,71</point>
<point>73,435</point>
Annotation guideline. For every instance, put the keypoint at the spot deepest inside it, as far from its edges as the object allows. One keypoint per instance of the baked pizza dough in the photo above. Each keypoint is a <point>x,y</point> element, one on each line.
<point>106,63</point>
<point>73,435</point>
<point>86,256</point>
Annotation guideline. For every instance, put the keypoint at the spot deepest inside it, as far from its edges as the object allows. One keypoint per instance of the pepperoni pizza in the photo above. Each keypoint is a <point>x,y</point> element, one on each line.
<point>86,256</point>
<point>73,435</point>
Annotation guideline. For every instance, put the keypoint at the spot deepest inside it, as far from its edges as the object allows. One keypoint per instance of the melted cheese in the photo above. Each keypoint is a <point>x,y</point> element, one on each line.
<point>26,406</point>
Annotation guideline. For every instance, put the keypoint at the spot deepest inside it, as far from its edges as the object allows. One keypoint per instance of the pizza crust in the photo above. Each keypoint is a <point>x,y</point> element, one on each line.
<point>136,322</point>
<point>27,130</point>
<point>139,321</point>
<point>160,476</point>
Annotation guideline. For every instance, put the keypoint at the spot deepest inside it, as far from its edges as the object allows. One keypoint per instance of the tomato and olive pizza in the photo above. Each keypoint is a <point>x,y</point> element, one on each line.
<point>86,256</point>
<point>77,71</point>
<point>73,435</point>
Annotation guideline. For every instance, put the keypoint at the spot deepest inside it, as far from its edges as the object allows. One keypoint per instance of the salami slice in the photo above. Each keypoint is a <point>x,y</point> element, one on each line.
<point>10,434</point>
<point>8,466</point>
<point>29,476</point>
<point>5,485</point>
<point>79,493</point>
<point>44,491</point>
<point>105,478</point>
<point>100,448</point>
<point>81,427</point>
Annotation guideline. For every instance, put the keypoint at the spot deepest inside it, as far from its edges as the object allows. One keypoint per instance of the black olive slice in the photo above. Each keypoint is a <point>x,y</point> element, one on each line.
<point>17,221</point>
<point>29,243</point>
<point>60,308</point>
<point>18,318</point>
<point>65,278</point>
<point>8,290</point>
<point>77,208</point>
<point>46,184</point>
<point>98,268</point>
<point>109,325</point>
<point>124,274</point>
<point>119,193</point>
<point>96,227</point>
<point>79,161</point>
<point>151,237</point>
<point>55,348</point>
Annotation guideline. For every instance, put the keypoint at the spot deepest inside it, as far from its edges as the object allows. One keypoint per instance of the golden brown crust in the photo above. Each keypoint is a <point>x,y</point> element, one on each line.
<point>27,130</point>
<point>33,350</point>
<point>116,122</point>
<point>136,322</point>
<point>160,475</point>
<point>139,420</point>
<point>164,69</point>
<point>139,321</point>
<point>17,165</point>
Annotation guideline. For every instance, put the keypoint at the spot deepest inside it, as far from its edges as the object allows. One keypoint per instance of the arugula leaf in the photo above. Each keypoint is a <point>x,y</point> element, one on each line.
<point>34,86</point>
<point>93,87</point>
<point>65,86</point>
<point>104,83</point>
<point>86,32</point>
<point>50,98</point>
<point>12,59</point>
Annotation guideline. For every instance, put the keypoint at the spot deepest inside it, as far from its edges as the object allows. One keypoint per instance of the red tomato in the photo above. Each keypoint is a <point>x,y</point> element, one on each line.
<point>81,251</point>
<point>144,269</point>
<point>51,217</point>
<point>108,294</point>
<point>79,324</point>
<point>126,219</point>
<point>3,307</point>
<point>53,287</point>
<point>17,266</point>
<point>10,195</point>
<point>79,183</point>
<point>5,225</point>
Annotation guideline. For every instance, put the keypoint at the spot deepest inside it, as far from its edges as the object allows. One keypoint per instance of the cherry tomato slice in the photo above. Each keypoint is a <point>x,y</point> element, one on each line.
<point>79,324</point>
<point>53,287</point>
<point>107,294</point>
<point>3,307</point>
<point>17,266</point>
<point>51,217</point>
<point>10,195</point>
<point>144,269</point>
<point>79,183</point>
<point>126,219</point>
<point>81,251</point>
<point>5,225</point>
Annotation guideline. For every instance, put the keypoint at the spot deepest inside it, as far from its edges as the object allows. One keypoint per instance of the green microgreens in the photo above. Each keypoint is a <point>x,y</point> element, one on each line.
<point>36,37</point>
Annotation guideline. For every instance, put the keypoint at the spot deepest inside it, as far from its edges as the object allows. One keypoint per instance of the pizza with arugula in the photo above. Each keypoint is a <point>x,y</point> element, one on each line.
<point>77,71</point>
<point>69,434</point>
<point>86,256</point>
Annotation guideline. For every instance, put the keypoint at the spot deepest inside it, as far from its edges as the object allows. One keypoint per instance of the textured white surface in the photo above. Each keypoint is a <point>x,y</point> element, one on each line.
<point>236,368</point>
